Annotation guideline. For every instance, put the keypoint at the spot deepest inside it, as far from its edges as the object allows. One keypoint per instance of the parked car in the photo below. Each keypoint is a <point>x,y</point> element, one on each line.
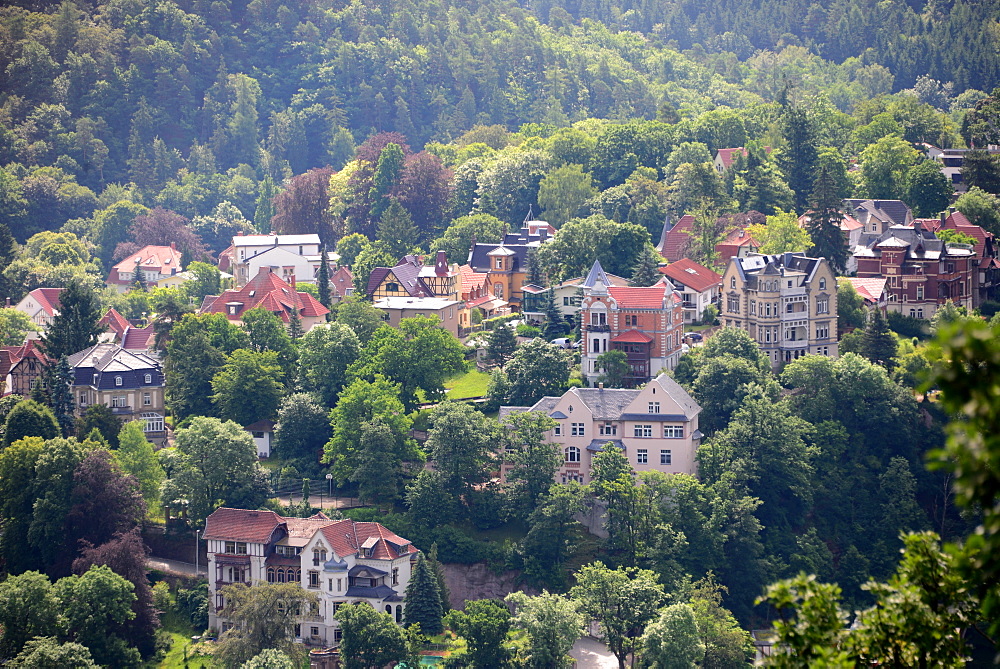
<point>562,342</point>
<point>694,336</point>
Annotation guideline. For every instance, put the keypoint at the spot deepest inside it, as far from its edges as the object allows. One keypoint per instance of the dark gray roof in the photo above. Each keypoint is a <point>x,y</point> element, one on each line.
<point>678,394</point>
<point>507,411</point>
<point>378,592</point>
<point>597,445</point>
<point>895,212</point>
<point>606,403</point>
<point>101,365</point>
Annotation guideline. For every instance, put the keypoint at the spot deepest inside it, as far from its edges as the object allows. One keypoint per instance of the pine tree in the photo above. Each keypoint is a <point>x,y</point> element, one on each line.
<point>75,327</point>
<point>799,160</point>
<point>138,278</point>
<point>824,222</point>
<point>60,382</point>
<point>535,275</point>
<point>501,344</point>
<point>878,344</point>
<point>264,208</point>
<point>555,324</point>
<point>423,599</point>
<point>397,230</point>
<point>432,559</point>
<point>323,278</point>
<point>647,270</point>
<point>295,325</point>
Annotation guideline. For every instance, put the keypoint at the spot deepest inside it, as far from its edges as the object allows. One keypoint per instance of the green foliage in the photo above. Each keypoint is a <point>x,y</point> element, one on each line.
<point>563,191</point>
<point>781,233</point>
<point>552,622</point>
<point>926,189</point>
<point>553,534</point>
<point>271,658</point>
<point>850,306</point>
<point>580,241</point>
<point>457,238</point>
<point>261,617</point>
<point>646,271</point>
<point>14,327</point>
<point>672,641</point>
<point>249,387</point>
<point>614,368</point>
<point>371,639</point>
<point>135,455</point>
<point>500,345</point>
<point>99,418</point>
<point>532,459</point>
<point>75,326</point>
<point>878,344</point>
<point>423,599</point>
<point>325,353</point>
<point>484,625</point>
<point>29,419</point>
<point>47,653</point>
<point>196,353</point>
<point>303,428</point>
<point>462,446</point>
<point>536,370</point>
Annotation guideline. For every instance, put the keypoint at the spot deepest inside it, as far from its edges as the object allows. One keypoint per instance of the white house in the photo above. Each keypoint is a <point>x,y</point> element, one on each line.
<point>656,426</point>
<point>698,286</point>
<point>40,305</point>
<point>263,433</point>
<point>342,561</point>
<point>155,263</point>
<point>286,255</point>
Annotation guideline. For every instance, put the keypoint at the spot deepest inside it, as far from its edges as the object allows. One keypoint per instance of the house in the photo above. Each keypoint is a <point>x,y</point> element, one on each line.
<point>40,305</point>
<point>21,367</point>
<point>451,313</point>
<point>411,278</point>
<point>130,382</point>
<point>656,426</point>
<point>341,284</point>
<point>155,262</point>
<point>738,243</point>
<point>121,331</point>
<point>647,323</point>
<point>872,291</point>
<point>263,433</point>
<point>698,285</point>
<point>674,239</point>
<point>850,228</point>
<point>877,216</point>
<point>569,293</point>
<point>177,280</point>
<point>341,561</point>
<point>786,302</point>
<point>922,271</point>
<point>986,272</point>
<point>268,291</point>
<point>506,263</point>
<point>725,158</point>
<point>285,255</point>
<point>952,161</point>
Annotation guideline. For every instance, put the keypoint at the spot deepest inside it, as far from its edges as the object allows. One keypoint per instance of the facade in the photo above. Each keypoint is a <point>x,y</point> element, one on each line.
<point>451,313</point>
<point>263,433</point>
<point>21,367</point>
<point>341,561</point>
<point>986,268</point>
<point>921,271</point>
<point>476,293</point>
<point>506,263</point>
<point>646,323</point>
<point>40,305</point>
<point>656,426</point>
<point>122,332</point>
<point>411,278</point>
<point>285,255</point>
<point>268,291</point>
<point>129,382</point>
<point>569,293</point>
<point>951,162</point>
<point>787,302</point>
<point>698,285</point>
<point>155,262</point>
<point>738,243</point>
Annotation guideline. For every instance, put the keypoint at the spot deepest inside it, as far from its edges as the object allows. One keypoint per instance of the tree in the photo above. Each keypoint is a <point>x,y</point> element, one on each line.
<point>372,255</point>
<point>926,189</point>
<point>371,639</point>
<point>261,617</point>
<point>614,368</point>
<point>563,191</point>
<point>423,599</point>
<point>582,240</point>
<point>349,247</point>
<point>532,459</point>
<point>553,533</point>
<point>45,652</point>
<point>29,609</point>
<point>14,327</point>
<point>58,379</point>
<point>264,206</point>
<point>462,445</point>
<point>378,473</point>
<point>29,419</point>
<point>647,268</point>
<point>501,344</point>
<point>631,517</point>
<point>884,166</point>
<point>266,332</point>
<point>206,280</point>
<point>727,646</point>
<point>360,316</point>
<point>75,326</point>
<point>458,237</point>
<point>814,636</point>
<point>799,158</point>
<point>555,324</point>
<point>161,227</point>
<point>388,172</point>
<point>982,170</point>
<point>360,403</point>
<point>303,428</point>
<point>484,625</point>
<point>396,229</point>
<point>622,601</point>
<point>672,641</point>
<point>418,354</point>
<point>323,278</point>
<point>552,622</point>
<point>981,208</point>
<point>304,206</point>
<point>103,502</point>
<point>248,388</point>
<point>136,457</point>
<point>879,345</point>
<point>96,608</point>
<point>536,370</point>
<point>325,353</point>
<point>720,386</point>
<point>196,353</point>
<point>271,658</point>
<point>781,233</point>
<point>850,306</point>
<point>99,417</point>
<point>217,467</point>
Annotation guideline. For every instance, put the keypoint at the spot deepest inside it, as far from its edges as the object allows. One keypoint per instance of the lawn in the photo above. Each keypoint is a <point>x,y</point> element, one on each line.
<point>180,636</point>
<point>470,384</point>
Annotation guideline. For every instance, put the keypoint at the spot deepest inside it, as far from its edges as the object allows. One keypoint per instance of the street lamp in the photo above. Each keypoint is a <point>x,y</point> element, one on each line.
<point>329,482</point>
<point>196,547</point>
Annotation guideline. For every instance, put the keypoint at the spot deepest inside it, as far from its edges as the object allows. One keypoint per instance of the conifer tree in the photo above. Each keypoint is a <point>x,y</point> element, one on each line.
<point>555,324</point>
<point>138,278</point>
<point>397,230</point>
<point>423,599</point>
<point>323,278</point>
<point>264,209</point>
<point>75,327</point>
<point>878,344</point>
<point>501,344</point>
<point>432,560</point>
<point>647,271</point>
<point>824,222</point>
<point>60,380</point>
<point>535,275</point>
<point>295,325</point>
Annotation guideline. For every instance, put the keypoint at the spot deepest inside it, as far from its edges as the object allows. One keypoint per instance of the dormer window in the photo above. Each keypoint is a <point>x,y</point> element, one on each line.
<point>149,378</point>
<point>118,380</point>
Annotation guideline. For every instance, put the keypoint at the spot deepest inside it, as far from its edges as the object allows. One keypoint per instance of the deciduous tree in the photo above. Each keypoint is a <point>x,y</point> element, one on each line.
<point>672,641</point>
<point>552,622</point>
<point>371,639</point>
<point>261,617</point>
<point>484,625</point>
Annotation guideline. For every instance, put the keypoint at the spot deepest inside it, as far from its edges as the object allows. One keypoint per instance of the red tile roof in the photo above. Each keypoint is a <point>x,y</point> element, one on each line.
<point>165,260</point>
<point>347,536</point>
<point>728,156</point>
<point>265,290</point>
<point>47,298</point>
<point>637,297</point>
<point>115,322</point>
<point>675,239</point>
<point>255,527</point>
<point>138,339</point>
<point>871,289</point>
<point>696,277</point>
<point>341,282</point>
<point>633,337</point>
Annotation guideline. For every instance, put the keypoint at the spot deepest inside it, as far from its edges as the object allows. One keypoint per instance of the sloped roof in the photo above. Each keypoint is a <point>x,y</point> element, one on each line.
<point>47,298</point>
<point>596,276</point>
<point>633,337</point>
<point>138,339</point>
<point>275,240</point>
<point>728,156</point>
<point>341,282</point>
<point>678,395</point>
<point>346,537</point>
<point>162,259</point>
<point>115,322</point>
<point>255,527</point>
<point>407,275</point>
<point>112,358</point>
<point>636,297</point>
<point>689,273</point>
<point>604,403</point>
<point>673,241</point>
<point>895,212</point>
<point>871,289</point>
<point>265,290</point>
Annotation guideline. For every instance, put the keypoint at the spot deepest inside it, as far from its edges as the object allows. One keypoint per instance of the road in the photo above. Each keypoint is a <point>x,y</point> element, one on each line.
<point>163,564</point>
<point>590,653</point>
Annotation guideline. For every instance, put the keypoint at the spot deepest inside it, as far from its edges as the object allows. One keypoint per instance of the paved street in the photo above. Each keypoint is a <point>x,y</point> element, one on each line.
<point>590,653</point>
<point>164,564</point>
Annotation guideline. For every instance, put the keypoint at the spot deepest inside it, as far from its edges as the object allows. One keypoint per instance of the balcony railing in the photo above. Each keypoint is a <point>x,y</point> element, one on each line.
<point>794,315</point>
<point>598,328</point>
<point>118,411</point>
<point>795,344</point>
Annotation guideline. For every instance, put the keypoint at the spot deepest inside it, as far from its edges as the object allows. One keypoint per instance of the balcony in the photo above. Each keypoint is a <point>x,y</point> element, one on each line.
<point>794,344</point>
<point>122,411</point>
<point>794,316</point>
<point>598,328</point>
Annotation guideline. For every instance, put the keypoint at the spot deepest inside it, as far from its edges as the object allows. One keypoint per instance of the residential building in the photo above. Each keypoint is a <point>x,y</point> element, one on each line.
<point>476,293</point>
<point>725,158</point>
<point>268,291</point>
<point>121,331</point>
<point>263,434</point>
<point>851,229</point>
<point>922,271</point>
<point>738,243</point>
<point>656,426</point>
<point>40,306</point>
<point>675,238</point>
<point>871,290</point>
<point>569,293</point>
<point>341,284</point>
<point>130,382</point>
<point>786,302</point>
<point>986,267</point>
<point>647,323</point>
<point>698,286</point>
<point>285,255</point>
<point>506,263</point>
<point>877,216</point>
<point>341,561</point>
<point>177,280</point>
<point>154,262</point>
<point>411,278</point>
<point>952,161</point>
<point>21,367</point>
<point>451,313</point>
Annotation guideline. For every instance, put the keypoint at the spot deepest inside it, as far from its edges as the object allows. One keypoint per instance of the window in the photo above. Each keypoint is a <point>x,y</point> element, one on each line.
<point>665,457</point>
<point>154,422</point>
<point>270,574</point>
<point>767,309</point>
<point>557,430</point>
<point>319,556</point>
<point>83,399</point>
<point>753,307</point>
<point>147,399</point>
<point>149,378</point>
<point>392,287</point>
<point>577,430</point>
<point>823,331</point>
<point>673,431</point>
<point>281,576</point>
<point>119,401</point>
<point>572,454</point>
<point>314,579</point>
<point>632,321</point>
<point>499,263</point>
<point>733,304</point>
<point>642,431</point>
<point>642,456</point>
<point>920,313</point>
<point>340,583</point>
<point>920,292</point>
<point>822,305</point>
<point>118,380</point>
<point>257,434</point>
<point>314,631</point>
<point>395,575</point>
<point>654,407</point>
<point>732,282</point>
<point>498,290</point>
<point>607,429</point>
<point>236,547</point>
<point>822,284</point>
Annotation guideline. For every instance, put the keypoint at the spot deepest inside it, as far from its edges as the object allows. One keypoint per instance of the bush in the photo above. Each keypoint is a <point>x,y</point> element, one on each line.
<point>524,330</point>
<point>710,316</point>
<point>907,326</point>
<point>193,603</point>
<point>161,596</point>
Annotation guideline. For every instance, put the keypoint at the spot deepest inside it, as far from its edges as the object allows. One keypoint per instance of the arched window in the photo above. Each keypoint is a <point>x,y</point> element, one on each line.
<point>399,614</point>
<point>572,454</point>
<point>498,290</point>
<point>270,574</point>
<point>732,282</point>
<point>149,378</point>
<point>388,609</point>
<point>281,576</point>
<point>118,380</point>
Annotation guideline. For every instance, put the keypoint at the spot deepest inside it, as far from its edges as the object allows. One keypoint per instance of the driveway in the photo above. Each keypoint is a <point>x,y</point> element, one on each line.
<point>163,564</point>
<point>590,653</point>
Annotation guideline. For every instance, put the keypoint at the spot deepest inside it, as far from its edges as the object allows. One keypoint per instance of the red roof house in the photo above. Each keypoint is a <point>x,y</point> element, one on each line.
<point>157,262</point>
<point>674,239</point>
<point>269,291</point>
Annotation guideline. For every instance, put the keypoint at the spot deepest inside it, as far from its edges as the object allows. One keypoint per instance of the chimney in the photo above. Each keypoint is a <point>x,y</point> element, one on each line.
<point>291,281</point>
<point>943,217</point>
<point>918,226</point>
<point>600,385</point>
<point>8,303</point>
<point>441,264</point>
<point>173,245</point>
